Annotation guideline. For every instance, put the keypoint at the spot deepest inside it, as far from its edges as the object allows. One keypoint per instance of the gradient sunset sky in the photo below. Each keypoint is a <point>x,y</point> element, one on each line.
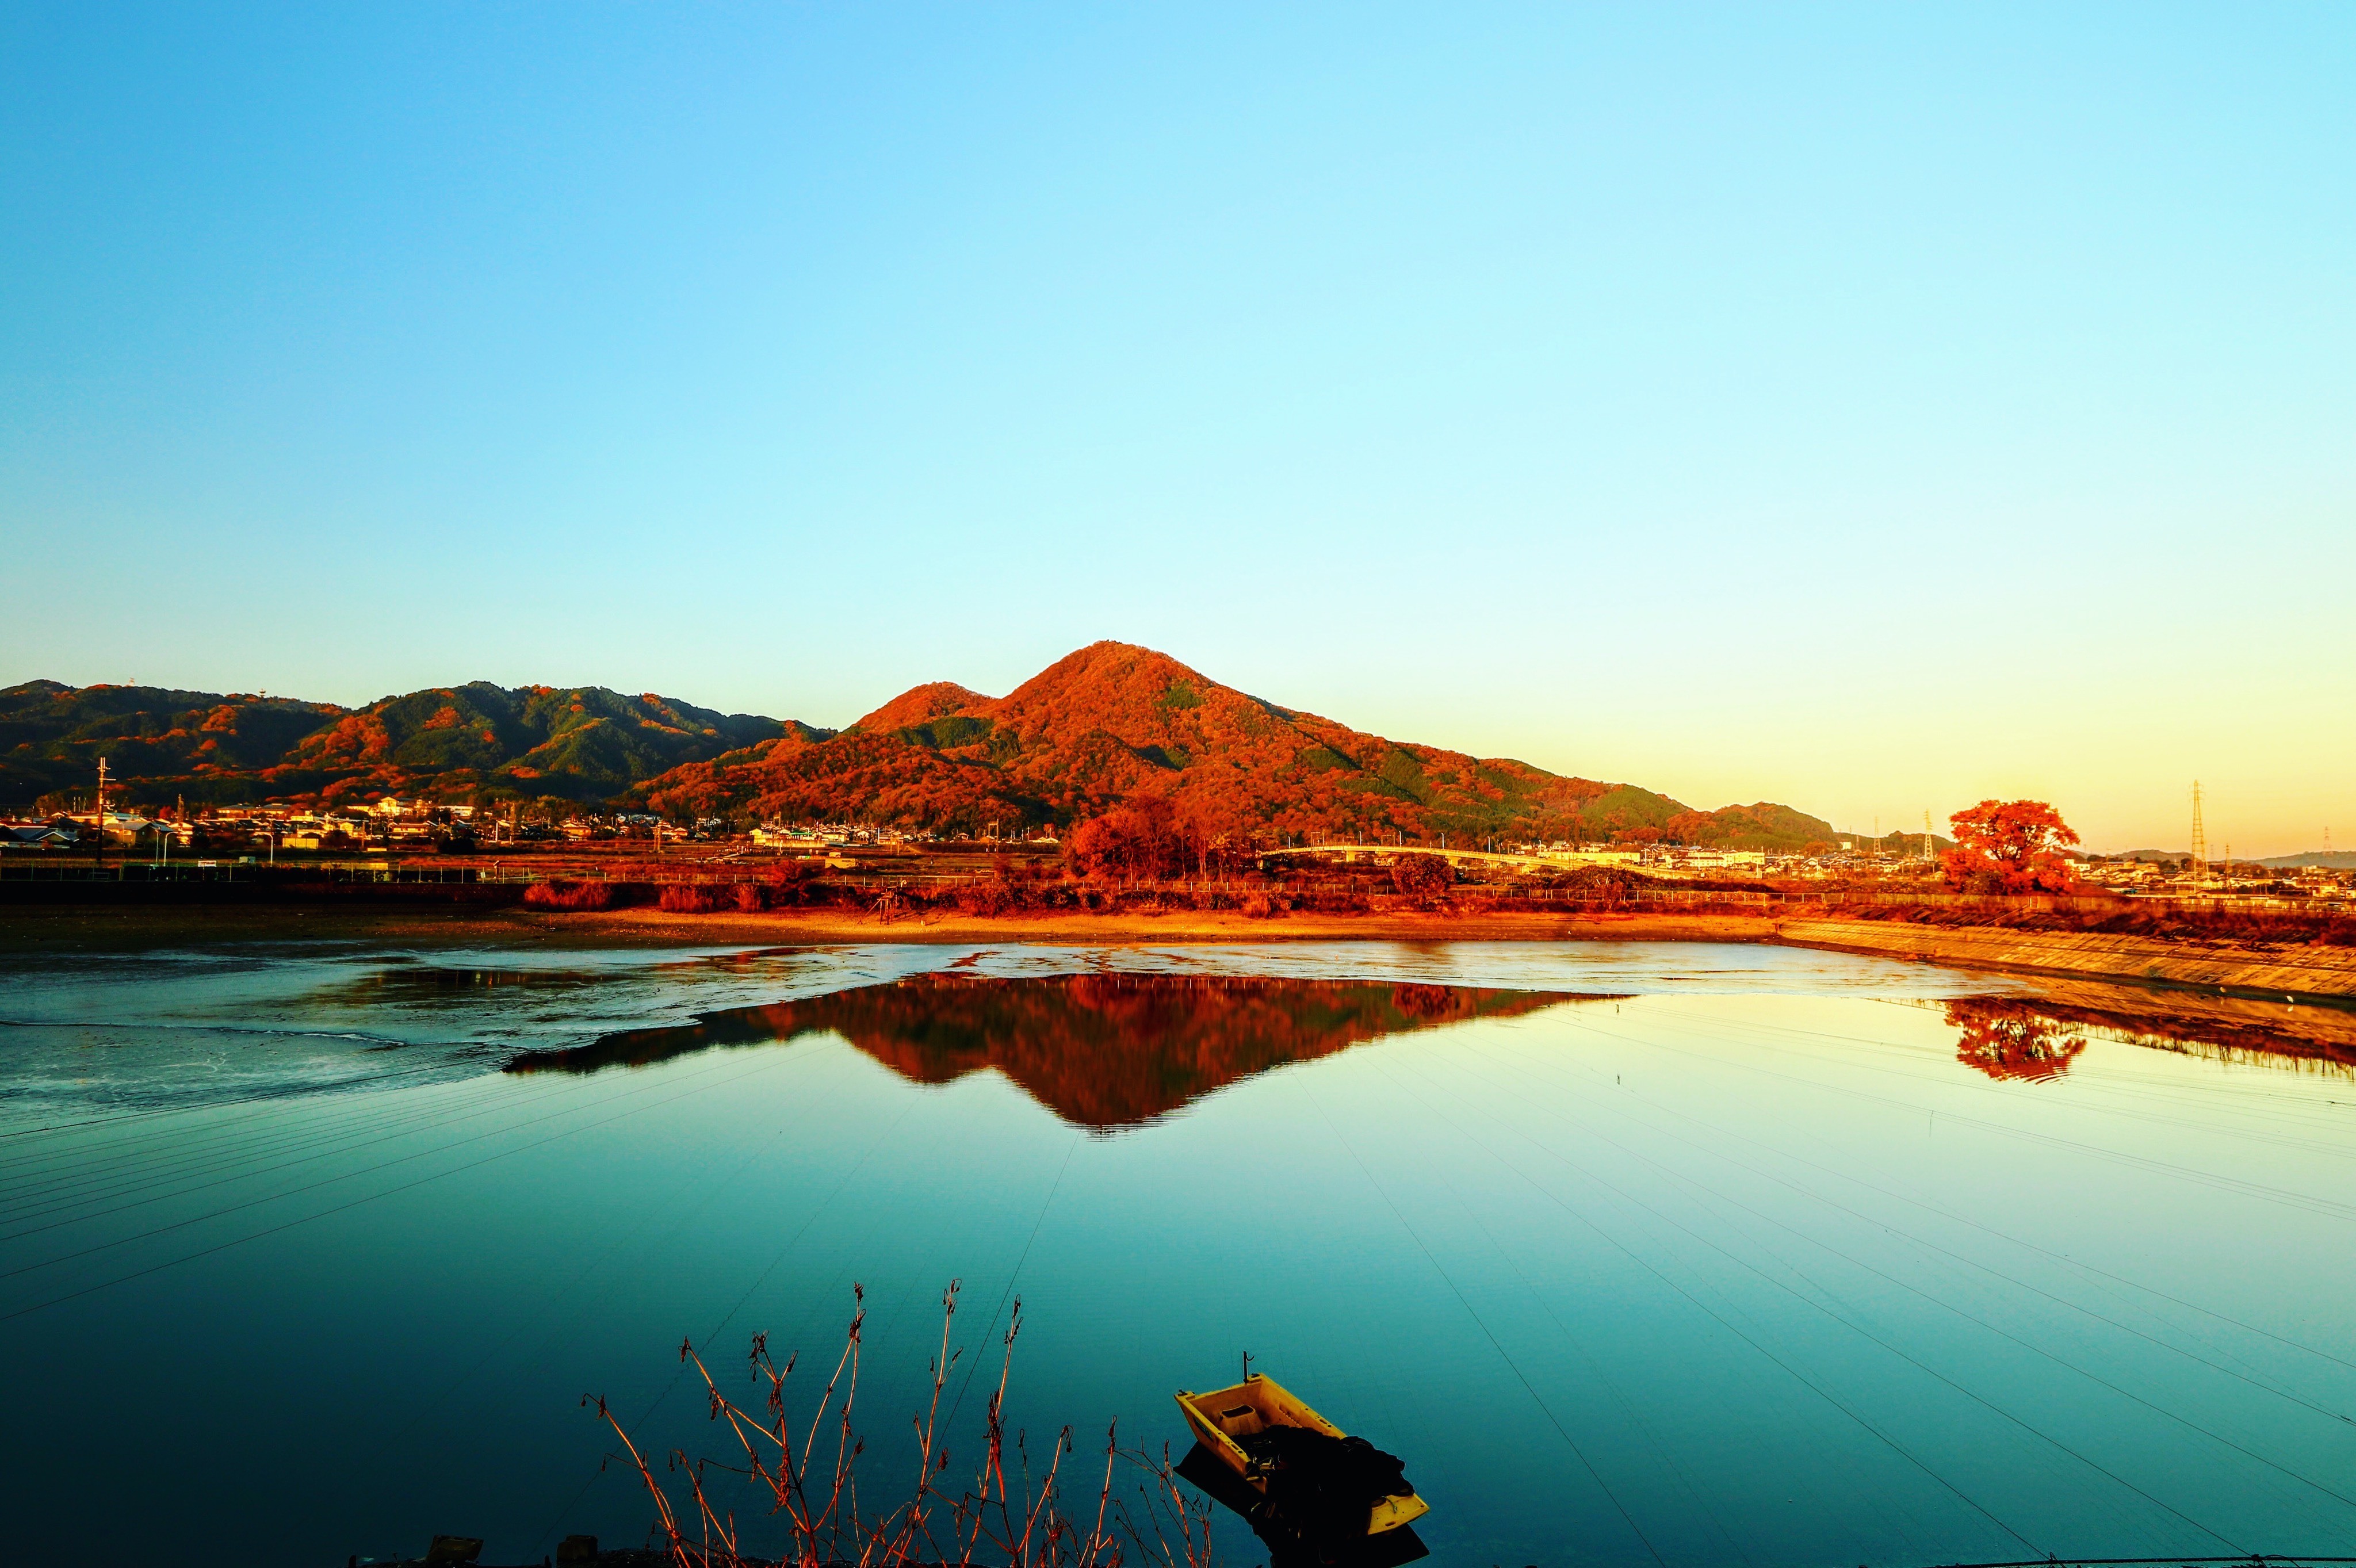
<point>1868,408</point>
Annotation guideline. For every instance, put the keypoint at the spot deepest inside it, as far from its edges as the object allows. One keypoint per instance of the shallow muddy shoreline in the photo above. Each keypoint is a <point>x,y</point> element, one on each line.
<point>124,927</point>
<point>2236,968</point>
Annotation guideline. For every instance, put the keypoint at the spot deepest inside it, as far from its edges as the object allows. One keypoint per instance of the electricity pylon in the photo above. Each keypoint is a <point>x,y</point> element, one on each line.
<point>2200,842</point>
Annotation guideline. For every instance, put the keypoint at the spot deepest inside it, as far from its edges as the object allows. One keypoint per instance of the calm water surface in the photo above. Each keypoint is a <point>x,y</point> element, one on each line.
<point>1636,1253</point>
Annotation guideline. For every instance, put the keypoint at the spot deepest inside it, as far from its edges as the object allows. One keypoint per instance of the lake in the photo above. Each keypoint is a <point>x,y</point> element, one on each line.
<point>1641,1253</point>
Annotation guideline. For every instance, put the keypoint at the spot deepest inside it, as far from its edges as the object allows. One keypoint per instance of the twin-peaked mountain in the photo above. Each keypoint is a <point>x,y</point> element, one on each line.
<point>1107,723</point>
<point>1113,721</point>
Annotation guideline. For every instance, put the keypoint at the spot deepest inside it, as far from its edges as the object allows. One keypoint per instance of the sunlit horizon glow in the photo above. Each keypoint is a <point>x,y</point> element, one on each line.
<point>1872,412</point>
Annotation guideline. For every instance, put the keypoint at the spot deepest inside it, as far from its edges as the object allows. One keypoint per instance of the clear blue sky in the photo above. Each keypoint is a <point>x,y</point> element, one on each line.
<point>1869,408</point>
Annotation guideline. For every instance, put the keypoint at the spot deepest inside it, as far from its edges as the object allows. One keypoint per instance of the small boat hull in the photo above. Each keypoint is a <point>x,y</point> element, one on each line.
<point>1222,1415</point>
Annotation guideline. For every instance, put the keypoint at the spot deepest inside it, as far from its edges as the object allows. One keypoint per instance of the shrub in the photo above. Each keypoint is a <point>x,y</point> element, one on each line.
<point>686,898</point>
<point>749,898</point>
<point>569,894</point>
<point>989,897</point>
<point>1422,875</point>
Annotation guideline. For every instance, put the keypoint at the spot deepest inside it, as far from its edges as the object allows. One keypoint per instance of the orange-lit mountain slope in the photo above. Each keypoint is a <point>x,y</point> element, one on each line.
<point>933,700</point>
<point>1112,721</point>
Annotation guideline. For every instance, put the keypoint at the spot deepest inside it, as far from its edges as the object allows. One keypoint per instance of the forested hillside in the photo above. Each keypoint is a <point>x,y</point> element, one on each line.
<point>1112,720</point>
<point>581,743</point>
<point>1107,723</point>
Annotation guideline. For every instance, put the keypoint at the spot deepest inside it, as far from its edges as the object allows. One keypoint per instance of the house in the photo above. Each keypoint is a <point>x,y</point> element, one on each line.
<point>1597,855</point>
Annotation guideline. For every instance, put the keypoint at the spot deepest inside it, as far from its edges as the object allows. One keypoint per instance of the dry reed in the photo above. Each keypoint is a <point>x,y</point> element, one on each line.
<point>805,1475</point>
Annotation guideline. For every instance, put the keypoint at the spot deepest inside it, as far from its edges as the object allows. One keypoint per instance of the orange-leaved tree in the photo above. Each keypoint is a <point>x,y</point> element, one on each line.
<point>1422,875</point>
<point>2009,846</point>
<point>1144,838</point>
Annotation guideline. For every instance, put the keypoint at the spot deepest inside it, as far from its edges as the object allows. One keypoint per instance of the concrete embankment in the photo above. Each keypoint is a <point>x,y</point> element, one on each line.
<point>2207,1022</point>
<point>2250,968</point>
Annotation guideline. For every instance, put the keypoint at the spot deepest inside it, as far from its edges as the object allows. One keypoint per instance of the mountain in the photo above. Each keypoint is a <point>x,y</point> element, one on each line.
<point>583,743</point>
<point>1107,723</point>
<point>51,736</point>
<point>1112,721</point>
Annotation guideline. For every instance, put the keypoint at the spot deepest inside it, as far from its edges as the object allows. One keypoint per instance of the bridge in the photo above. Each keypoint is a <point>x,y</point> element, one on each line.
<point>1385,855</point>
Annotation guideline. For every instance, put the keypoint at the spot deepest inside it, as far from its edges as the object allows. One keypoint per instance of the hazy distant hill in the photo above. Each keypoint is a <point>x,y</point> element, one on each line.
<point>1112,721</point>
<point>2336,859</point>
<point>2333,860</point>
<point>582,743</point>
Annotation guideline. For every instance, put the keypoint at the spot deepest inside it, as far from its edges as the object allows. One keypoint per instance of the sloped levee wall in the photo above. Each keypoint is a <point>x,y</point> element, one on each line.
<point>2248,968</point>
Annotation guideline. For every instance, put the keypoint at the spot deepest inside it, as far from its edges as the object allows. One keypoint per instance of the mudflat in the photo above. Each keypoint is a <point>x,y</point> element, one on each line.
<point>2238,967</point>
<point>130,928</point>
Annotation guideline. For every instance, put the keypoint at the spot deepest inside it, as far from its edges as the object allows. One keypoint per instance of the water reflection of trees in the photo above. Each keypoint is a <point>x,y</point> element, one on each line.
<point>1101,1050</point>
<point>2008,1040</point>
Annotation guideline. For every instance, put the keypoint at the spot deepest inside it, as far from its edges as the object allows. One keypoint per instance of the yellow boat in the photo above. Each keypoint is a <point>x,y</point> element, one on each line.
<point>1221,1416</point>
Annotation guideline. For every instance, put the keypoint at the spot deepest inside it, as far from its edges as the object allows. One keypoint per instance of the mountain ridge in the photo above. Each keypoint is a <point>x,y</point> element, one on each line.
<point>1113,721</point>
<point>1106,724</point>
<point>578,743</point>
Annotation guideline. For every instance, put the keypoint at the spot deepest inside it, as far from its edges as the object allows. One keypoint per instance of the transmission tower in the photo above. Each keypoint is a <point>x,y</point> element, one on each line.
<point>1927,857</point>
<point>2200,842</point>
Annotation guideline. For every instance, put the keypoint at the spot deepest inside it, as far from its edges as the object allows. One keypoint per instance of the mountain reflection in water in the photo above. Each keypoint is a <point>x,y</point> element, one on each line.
<point>1099,1050</point>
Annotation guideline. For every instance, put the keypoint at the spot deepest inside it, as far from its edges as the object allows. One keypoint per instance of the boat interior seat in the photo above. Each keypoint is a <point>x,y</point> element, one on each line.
<point>1239,1421</point>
